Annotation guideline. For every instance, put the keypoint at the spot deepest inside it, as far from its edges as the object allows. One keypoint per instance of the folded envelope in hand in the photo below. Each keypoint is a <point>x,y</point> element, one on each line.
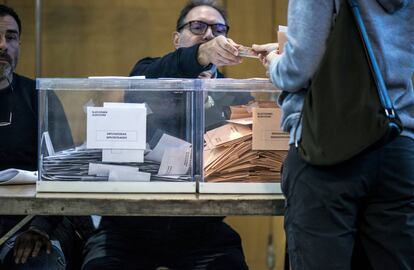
<point>247,52</point>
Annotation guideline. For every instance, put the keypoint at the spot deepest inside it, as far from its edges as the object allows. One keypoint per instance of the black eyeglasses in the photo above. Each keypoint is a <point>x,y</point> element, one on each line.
<point>200,28</point>
<point>7,123</point>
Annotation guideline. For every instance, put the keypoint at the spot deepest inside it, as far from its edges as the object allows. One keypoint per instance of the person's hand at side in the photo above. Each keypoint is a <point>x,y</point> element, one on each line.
<point>219,51</point>
<point>29,244</point>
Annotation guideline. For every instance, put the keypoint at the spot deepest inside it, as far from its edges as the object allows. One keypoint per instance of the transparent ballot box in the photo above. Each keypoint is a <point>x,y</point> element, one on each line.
<point>243,147</point>
<point>116,135</point>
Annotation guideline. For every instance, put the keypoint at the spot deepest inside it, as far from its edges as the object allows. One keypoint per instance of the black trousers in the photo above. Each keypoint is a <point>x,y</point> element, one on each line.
<point>355,215</point>
<point>176,245</point>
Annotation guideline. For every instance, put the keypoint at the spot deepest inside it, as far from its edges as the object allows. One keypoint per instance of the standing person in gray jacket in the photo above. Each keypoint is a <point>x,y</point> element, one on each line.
<point>358,214</point>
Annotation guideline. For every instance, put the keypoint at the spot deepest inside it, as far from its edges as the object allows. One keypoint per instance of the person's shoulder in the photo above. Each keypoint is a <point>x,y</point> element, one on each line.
<point>137,69</point>
<point>24,81</point>
<point>24,84</point>
<point>148,59</point>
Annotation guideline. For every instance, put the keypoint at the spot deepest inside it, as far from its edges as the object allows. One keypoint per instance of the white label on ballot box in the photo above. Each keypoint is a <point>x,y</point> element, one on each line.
<point>116,128</point>
<point>123,155</point>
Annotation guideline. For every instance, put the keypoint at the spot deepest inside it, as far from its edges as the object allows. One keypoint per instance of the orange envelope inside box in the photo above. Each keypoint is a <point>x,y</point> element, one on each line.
<point>225,134</point>
<point>239,111</point>
<point>266,130</point>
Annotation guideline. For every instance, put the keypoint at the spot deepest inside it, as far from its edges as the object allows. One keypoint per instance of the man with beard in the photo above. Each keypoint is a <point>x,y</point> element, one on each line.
<point>18,149</point>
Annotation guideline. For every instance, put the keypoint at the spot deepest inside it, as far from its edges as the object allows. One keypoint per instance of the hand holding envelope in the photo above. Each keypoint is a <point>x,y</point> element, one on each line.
<point>269,51</point>
<point>247,52</point>
<point>266,52</point>
<point>219,51</point>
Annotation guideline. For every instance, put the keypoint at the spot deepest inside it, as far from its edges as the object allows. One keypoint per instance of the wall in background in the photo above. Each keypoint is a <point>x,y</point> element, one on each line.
<point>104,37</point>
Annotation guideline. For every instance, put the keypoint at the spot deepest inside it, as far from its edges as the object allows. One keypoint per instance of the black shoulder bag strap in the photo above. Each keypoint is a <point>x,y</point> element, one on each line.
<point>379,81</point>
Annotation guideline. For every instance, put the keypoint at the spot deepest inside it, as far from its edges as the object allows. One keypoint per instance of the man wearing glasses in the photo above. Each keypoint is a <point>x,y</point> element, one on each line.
<point>183,243</point>
<point>201,46</point>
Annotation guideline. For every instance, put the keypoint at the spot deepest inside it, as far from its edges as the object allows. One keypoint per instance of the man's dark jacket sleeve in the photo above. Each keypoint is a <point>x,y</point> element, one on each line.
<point>182,63</point>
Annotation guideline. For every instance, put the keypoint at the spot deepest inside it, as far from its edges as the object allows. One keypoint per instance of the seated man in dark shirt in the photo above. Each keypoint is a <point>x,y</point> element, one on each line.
<point>176,242</point>
<point>18,149</point>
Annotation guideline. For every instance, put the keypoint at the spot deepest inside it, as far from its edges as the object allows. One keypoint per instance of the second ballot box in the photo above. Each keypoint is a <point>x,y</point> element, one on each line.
<point>243,145</point>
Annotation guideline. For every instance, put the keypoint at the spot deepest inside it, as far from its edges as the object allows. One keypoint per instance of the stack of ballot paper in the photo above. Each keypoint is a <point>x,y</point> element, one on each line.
<point>249,148</point>
<point>86,165</point>
<point>169,160</point>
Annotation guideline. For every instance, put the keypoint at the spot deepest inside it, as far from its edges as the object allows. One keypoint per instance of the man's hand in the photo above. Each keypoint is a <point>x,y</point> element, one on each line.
<point>30,243</point>
<point>219,51</point>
